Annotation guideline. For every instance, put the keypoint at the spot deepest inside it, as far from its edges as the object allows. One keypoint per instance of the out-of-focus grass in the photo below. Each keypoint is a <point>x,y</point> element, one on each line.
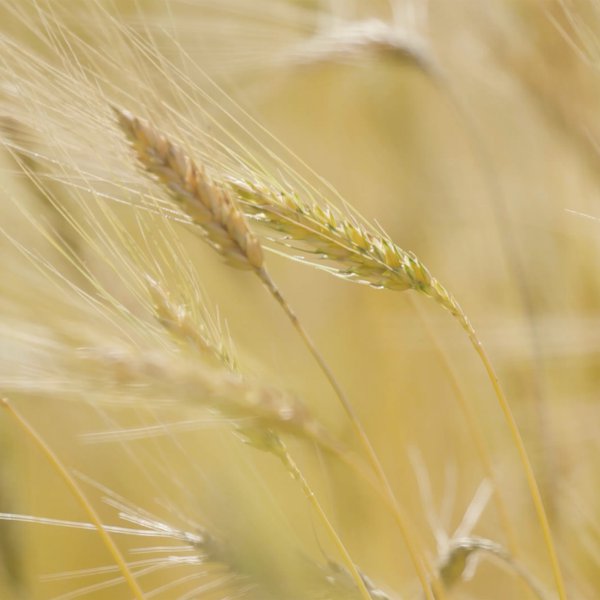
<point>522,262</point>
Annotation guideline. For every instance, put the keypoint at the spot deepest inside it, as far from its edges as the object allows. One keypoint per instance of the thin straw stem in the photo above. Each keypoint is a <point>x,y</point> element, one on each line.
<point>360,432</point>
<point>295,472</point>
<point>474,429</point>
<point>79,495</point>
<point>527,467</point>
<point>443,297</point>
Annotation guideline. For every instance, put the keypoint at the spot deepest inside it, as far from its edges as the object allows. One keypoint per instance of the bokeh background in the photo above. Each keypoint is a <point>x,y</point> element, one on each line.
<point>468,131</point>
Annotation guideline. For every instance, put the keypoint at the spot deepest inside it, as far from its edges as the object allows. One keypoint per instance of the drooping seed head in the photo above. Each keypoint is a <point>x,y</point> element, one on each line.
<point>348,248</point>
<point>210,207</point>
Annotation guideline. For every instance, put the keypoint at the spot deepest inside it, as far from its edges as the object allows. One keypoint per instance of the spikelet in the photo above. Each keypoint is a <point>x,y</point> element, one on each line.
<point>329,236</point>
<point>179,322</point>
<point>209,206</point>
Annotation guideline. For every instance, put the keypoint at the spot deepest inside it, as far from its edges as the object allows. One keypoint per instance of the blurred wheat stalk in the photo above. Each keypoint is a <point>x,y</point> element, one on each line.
<point>105,322</point>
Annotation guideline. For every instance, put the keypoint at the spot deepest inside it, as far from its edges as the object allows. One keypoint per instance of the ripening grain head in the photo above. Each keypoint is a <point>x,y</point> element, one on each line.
<point>156,373</point>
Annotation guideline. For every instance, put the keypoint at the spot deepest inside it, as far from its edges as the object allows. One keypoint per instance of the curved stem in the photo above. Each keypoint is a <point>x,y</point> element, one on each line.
<point>513,256</point>
<point>474,429</point>
<point>295,472</point>
<point>437,292</point>
<point>401,520</point>
<point>79,496</point>
<point>524,457</point>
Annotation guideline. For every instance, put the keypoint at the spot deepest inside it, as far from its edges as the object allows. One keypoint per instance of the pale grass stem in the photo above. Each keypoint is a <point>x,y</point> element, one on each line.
<point>79,495</point>
<point>224,227</point>
<point>475,430</point>
<point>477,435</point>
<point>271,442</point>
<point>528,468</point>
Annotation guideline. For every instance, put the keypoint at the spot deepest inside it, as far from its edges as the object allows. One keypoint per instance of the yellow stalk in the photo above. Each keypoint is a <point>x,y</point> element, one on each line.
<point>79,495</point>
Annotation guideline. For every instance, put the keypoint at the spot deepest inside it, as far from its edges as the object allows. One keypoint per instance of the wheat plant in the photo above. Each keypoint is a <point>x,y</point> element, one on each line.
<point>169,429</point>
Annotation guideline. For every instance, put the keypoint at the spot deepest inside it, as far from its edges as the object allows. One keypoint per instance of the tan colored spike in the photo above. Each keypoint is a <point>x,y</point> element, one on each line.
<point>210,207</point>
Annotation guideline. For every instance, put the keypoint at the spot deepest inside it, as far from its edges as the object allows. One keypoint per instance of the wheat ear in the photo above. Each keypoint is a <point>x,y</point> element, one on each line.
<point>178,322</point>
<point>356,253</point>
<point>212,208</point>
<point>209,206</point>
<point>79,495</point>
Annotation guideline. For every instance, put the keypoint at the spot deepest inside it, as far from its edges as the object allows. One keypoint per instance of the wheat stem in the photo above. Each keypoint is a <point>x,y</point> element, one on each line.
<point>436,291</point>
<point>474,429</point>
<point>79,495</point>
<point>359,431</point>
<point>272,443</point>
<point>532,484</point>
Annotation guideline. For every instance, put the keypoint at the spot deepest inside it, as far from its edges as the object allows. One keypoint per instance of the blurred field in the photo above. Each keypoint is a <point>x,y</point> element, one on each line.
<point>467,130</point>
